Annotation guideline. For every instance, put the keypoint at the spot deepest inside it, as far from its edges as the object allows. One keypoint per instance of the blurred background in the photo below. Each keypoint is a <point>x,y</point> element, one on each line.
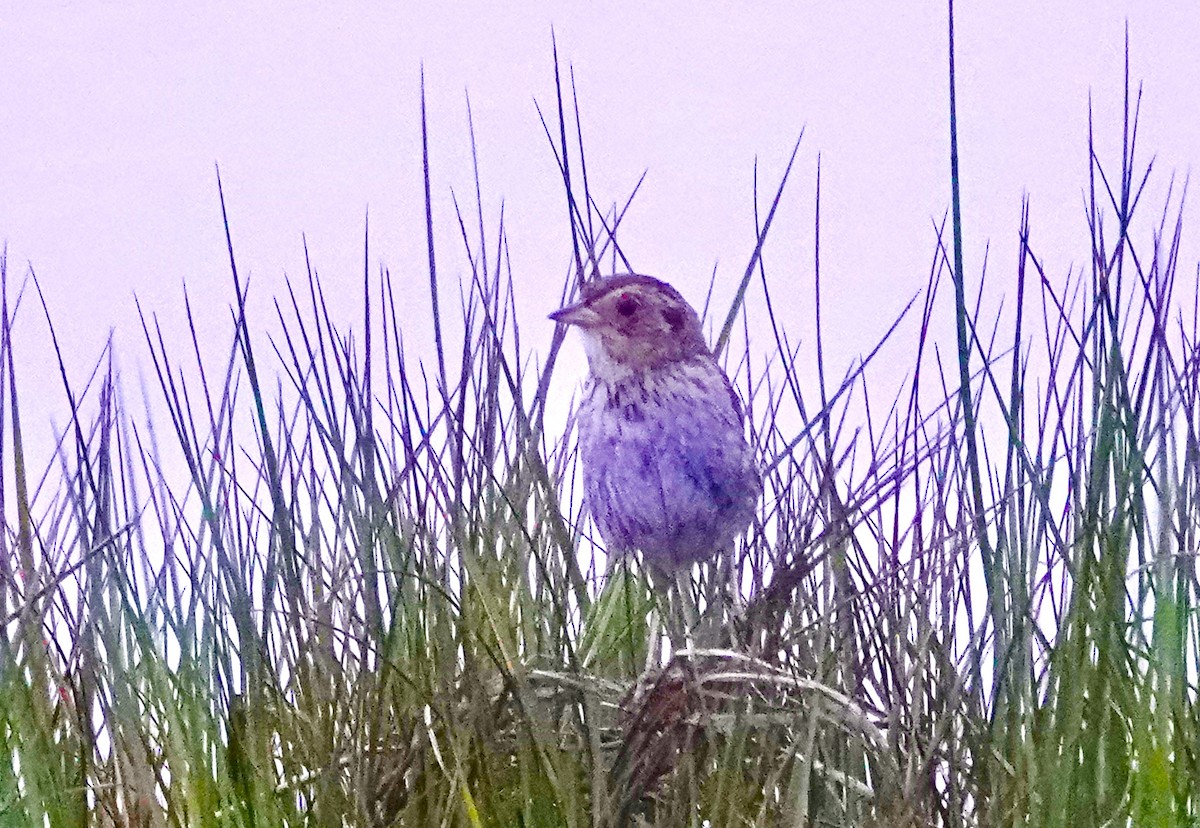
<point>115,117</point>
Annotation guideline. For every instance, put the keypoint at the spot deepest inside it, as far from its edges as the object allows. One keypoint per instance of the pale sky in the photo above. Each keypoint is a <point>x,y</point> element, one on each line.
<point>115,116</point>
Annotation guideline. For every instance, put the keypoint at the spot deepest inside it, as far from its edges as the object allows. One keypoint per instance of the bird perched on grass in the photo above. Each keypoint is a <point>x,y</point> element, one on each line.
<point>667,470</point>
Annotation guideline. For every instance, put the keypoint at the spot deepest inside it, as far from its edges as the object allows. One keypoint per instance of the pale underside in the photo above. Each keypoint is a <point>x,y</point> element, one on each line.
<point>667,471</point>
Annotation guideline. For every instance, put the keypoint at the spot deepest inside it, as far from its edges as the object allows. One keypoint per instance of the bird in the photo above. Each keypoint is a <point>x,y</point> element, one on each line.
<point>667,469</point>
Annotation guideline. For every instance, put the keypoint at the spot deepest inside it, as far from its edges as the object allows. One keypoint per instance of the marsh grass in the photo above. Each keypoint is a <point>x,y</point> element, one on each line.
<point>374,598</point>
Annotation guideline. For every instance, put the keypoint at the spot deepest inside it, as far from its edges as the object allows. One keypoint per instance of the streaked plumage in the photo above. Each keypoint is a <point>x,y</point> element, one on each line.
<point>667,470</point>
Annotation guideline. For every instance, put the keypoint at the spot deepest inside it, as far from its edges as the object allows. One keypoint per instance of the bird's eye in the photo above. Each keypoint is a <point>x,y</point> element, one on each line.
<point>627,305</point>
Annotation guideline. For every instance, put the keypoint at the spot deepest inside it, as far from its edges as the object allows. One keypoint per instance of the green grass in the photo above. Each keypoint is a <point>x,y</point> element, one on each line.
<point>373,599</point>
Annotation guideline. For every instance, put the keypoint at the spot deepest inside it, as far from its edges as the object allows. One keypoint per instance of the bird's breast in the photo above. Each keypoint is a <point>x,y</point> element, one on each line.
<point>667,469</point>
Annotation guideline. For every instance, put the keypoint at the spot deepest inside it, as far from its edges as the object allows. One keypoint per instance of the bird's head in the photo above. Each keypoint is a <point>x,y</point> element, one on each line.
<point>633,323</point>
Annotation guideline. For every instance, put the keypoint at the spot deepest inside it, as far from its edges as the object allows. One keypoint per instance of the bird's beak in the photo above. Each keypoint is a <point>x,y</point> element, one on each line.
<point>577,314</point>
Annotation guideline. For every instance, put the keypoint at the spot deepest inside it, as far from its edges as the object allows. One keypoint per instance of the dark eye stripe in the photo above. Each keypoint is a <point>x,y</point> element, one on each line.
<point>674,317</point>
